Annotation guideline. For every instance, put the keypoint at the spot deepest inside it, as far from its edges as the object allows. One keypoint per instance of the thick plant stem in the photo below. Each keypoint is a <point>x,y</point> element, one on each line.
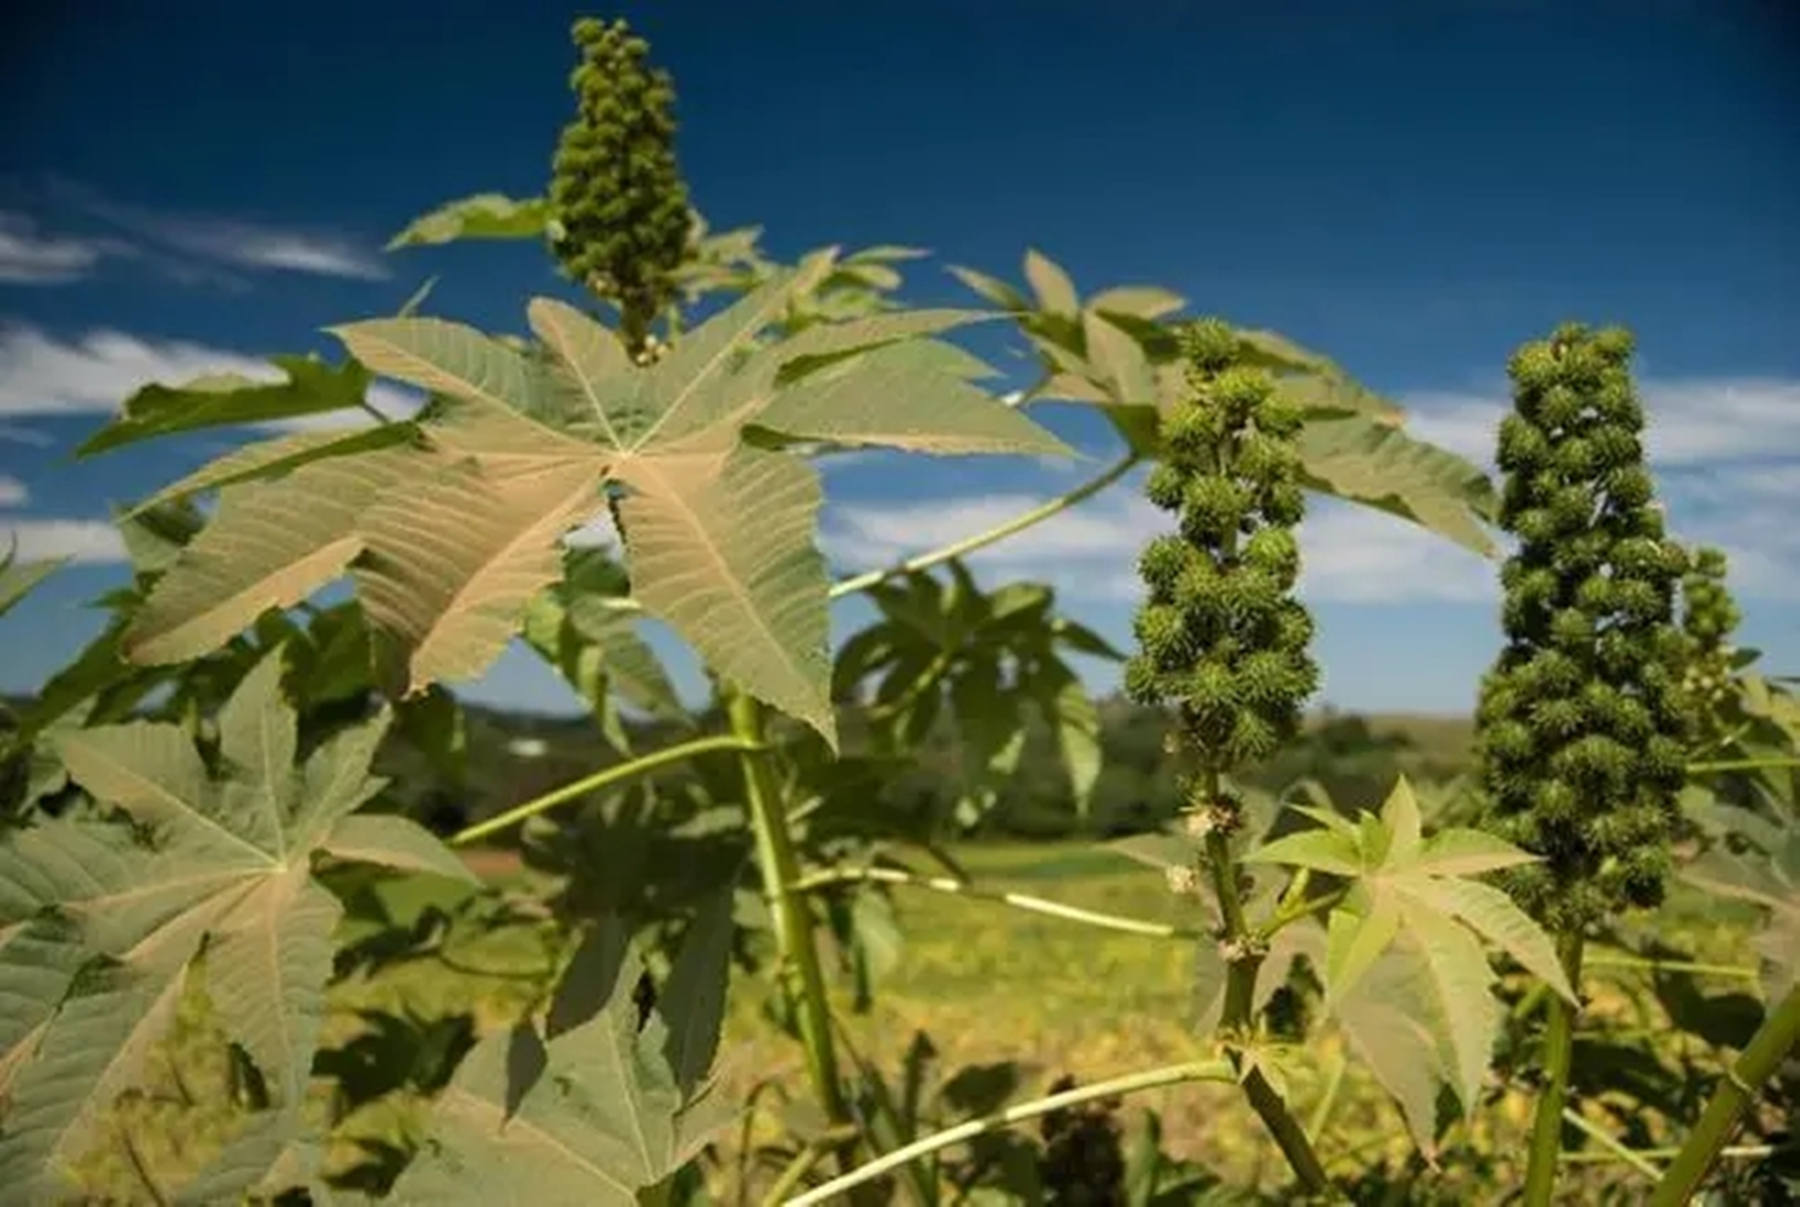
<point>1211,1070</point>
<point>1778,1036</point>
<point>1559,1047</point>
<point>1243,960</point>
<point>606,777</point>
<point>803,976</point>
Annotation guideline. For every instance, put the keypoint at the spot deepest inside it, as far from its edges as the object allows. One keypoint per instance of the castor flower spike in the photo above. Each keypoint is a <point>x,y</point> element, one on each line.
<point>1220,635</point>
<point>1582,722</point>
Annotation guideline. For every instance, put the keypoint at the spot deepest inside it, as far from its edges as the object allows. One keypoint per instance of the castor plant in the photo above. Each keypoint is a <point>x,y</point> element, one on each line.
<point>1222,639</point>
<point>1582,724</point>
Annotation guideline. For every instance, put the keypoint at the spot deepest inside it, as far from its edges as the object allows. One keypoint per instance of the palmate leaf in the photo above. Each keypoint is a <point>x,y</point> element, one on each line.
<point>99,927</point>
<point>1111,352</point>
<point>957,645</point>
<point>481,216</point>
<point>1769,878</point>
<point>1415,911</point>
<point>596,647</point>
<point>448,543</point>
<point>227,399</point>
<point>1368,461</point>
<point>272,458</point>
<point>597,1107</point>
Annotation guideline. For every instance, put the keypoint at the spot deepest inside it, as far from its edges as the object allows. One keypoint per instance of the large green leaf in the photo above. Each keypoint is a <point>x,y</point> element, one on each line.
<point>100,922</point>
<point>1413,892</point>
<point>450,542</point>
<point>1769,878</point>
<point>576,627</point>
<point>272,458</point>
<point>226,399</point>
<point>597,1112</point>
<point>1368,461</point>
<point>481,216</point>
<point>718,532</point>
<point>271,545</point>
<point>1112,353</point>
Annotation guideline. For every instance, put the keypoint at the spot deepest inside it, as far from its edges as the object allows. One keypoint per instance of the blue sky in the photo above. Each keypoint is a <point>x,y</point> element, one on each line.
<point>1412,187</point>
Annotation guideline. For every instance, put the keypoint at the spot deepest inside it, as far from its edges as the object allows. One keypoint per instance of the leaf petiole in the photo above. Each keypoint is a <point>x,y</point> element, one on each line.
<point>604,778</point>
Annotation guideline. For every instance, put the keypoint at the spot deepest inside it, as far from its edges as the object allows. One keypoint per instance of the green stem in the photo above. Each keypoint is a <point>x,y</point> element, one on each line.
<point>1611,1144</point>
<point>1778,1035</point>
<point>999,532</point>
<point>1740,971</point>
<point>1741,1152</point>
<point>373,411</point>
<point>1211,1070</point>
<point>803,976</point>
<point>1024,901</point>
<point>1243,960</point>
<point>604,778</point>
<point>1290,913</point>
<point>1723,765</point>
<point>794,1173</point>
<point>1559,1046</point>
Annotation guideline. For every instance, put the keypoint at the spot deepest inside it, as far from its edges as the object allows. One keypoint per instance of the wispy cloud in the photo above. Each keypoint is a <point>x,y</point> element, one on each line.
<point>14,434</point>
<point>30,256</point>
<point>1727,453</point>
<point>1692,422</point>
<point>87,542</point>
<point>41,374</point>
<point>1352,554</point>
<point>191,247</point>
<point>12,491</point>
<point>251,246</point>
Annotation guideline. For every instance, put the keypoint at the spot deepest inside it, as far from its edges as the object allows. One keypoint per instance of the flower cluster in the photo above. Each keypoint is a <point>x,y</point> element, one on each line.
<point>1709,617</point>
<point>616,192</point>
<point>1582,724</point>
<point>1220,634</point>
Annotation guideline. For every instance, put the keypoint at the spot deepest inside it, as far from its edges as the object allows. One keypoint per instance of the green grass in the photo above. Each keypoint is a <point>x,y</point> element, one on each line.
<point>988,982</point>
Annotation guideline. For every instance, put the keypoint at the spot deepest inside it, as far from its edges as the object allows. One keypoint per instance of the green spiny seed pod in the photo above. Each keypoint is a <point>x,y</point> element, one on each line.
<point>1582,724</point>
<point>1709,617</point>
<point>616,192</point>
<point>1220,634</point>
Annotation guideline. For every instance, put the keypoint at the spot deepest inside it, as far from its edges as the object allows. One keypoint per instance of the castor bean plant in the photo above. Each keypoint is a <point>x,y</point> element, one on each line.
<point>217,907</point>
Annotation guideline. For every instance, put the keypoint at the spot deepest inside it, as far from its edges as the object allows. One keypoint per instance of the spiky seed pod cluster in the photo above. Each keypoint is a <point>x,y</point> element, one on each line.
<point>1220,634</point>
<point>1709,617</point>
<point>616,191</point>
<point>1581,722</point>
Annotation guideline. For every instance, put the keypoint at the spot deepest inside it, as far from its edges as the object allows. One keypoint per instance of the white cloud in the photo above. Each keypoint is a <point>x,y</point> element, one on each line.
<point>93,542</point>
<point>1351,554</point>
<point>181,245</point>
<point>12,491</point>
<point>246,245</point>
<point>1727,453</point>
<point>30,257</point>
<point>1691,422</point>
<point>94,373</point>
<point>24,435</point>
